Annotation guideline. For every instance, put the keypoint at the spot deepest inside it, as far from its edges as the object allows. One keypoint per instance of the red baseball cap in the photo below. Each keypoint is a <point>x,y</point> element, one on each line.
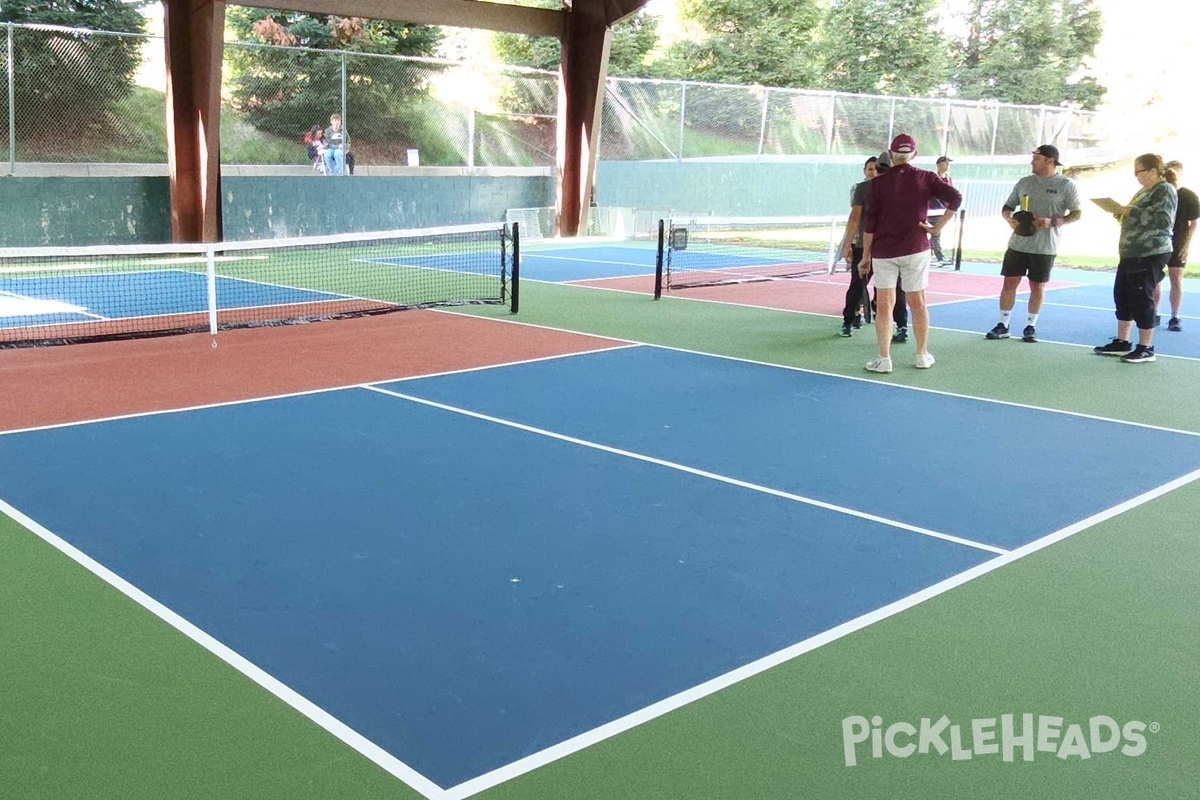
<point>903,143</point>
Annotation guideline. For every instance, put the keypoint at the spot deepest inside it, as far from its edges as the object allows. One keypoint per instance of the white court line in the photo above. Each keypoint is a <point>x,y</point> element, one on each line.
<point>862,379</point>
<point>584,281</point>
<point>690,470</point>
<point>322,718</point>
<point>306,392</point>
<point>735,304</point>
<point>1087,347</point>
<point>1106,309</point>
<point>525,255</point>
<point>688,696</point>
<point>575,744</point>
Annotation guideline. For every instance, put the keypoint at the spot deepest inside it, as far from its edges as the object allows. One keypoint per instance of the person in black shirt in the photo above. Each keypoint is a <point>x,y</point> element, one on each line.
<point>1186,218</point>
<point>857,294</point>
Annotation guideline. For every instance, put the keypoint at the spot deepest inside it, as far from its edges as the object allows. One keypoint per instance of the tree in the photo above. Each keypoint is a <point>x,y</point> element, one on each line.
<point>764,42</point>
<point>66,84</point>
<point>884,47</point>
<point>632,40</point>
<point>294,83</point>
<point>1029,51</point>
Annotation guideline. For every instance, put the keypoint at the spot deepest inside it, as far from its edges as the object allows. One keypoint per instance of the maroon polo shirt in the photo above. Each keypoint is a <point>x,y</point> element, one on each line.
<point>897,205</point>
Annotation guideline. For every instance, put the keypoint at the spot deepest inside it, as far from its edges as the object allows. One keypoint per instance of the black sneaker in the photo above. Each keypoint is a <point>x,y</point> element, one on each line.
<point>846,331</point>
<point>900,336</point>
<point>1029,334</point>
<point>1173,324</point>
<point>1140,355</point>
<point>1117,347</point>
<point>998,332</point>
<point>857,321</point>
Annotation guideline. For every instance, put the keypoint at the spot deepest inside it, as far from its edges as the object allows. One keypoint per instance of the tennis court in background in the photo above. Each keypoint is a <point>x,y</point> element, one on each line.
<point>1078,307</point>
<point>470,569</point>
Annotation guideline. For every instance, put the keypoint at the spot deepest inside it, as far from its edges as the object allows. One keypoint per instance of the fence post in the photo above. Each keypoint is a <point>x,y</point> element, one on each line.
<point>891,121</point>
<point>832,122</point>
<point>995,129</point>
<point>682,115</point>
<point>762,128</point>
<point>12,111</point>
<point>345,121</point>
<point>946,129</point>
<point>471,135</point>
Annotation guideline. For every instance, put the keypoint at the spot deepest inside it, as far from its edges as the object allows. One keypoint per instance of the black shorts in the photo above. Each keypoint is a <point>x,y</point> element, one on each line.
<point>1133,290</point>
<point>1036,265</point>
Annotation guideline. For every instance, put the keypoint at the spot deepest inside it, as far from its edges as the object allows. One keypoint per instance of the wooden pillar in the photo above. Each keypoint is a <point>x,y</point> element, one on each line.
<point>586,41</point>
<point>194,31</point>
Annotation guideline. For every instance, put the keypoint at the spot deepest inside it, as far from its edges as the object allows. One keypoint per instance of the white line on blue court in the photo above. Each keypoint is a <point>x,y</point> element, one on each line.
<point>525,255</point>
<point>306,392</point>
<point>1105,309</point>
<point>306,707</point>
<point>810,371</point>
<point>688,696</point>
<point>692,471</point>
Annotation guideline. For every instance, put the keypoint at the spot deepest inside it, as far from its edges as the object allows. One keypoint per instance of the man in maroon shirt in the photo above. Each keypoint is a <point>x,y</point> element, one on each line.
<point>896,245</point>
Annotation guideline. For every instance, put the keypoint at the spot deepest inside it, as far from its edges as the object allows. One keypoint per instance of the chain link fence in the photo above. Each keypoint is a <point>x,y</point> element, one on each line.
<point>71,95</point>
<point>81,96</point>
<point>655,119</point>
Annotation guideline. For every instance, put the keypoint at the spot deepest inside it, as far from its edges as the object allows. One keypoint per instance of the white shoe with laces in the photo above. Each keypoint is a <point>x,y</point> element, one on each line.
<point>879,364</point>
<point>925,360</point>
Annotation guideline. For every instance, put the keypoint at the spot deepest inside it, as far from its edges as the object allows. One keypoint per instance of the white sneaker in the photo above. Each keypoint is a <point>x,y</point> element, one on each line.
<point>925,360</point>
<point>879,364</point>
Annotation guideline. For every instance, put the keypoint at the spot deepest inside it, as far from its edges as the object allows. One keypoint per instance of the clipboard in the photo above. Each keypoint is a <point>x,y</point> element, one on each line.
<point>1108,204</point>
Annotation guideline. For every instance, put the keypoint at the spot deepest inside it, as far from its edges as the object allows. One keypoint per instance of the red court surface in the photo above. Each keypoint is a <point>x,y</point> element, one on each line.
<point>68,383</point>
<point>819,294</point>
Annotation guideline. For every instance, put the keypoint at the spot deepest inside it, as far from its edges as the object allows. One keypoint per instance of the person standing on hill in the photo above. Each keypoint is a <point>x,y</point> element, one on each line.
<point>336,145</point>
<point>896,245</point>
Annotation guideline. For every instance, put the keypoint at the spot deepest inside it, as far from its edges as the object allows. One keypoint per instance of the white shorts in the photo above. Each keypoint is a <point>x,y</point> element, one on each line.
<point>912,271</point>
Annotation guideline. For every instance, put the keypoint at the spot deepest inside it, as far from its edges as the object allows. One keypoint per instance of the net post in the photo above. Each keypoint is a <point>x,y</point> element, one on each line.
<point>515,289</point>
<point>962,218</point>
<point>658,259</point>
<point>210,268</point>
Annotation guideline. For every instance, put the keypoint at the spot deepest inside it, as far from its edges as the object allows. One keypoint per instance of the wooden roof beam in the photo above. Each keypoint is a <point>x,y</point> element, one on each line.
<point>453,13</point>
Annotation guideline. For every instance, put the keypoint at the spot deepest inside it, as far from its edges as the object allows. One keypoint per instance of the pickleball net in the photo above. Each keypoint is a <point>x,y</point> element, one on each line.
<point>52,295</point>
<point>712,251</point>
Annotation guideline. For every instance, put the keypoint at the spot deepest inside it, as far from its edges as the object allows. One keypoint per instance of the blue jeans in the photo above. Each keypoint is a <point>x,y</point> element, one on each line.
<point>335,161</point>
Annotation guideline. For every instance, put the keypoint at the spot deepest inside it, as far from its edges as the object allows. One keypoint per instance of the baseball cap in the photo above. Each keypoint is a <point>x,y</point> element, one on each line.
<point>883,162</point>
<point>1049,151</point>
<point>903,143</point>
<point>944,159</point>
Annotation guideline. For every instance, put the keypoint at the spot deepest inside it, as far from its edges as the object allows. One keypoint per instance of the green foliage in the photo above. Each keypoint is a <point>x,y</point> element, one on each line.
<point>632,40</point>
<point>764,42</point>
<point>884,47</point>
<point>65,85</point>
<point>289,86</point>
<point>1029,51</point>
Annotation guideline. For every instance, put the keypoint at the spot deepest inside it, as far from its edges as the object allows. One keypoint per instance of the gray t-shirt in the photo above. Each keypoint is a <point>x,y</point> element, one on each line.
<point>858,197</point>
<point>1055,196</point>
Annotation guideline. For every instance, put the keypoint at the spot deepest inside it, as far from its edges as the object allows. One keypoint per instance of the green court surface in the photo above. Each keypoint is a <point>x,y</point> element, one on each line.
<point>101,699</point>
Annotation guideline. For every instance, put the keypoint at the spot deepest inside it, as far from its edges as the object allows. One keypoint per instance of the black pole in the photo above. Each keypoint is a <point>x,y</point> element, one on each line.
<point>516,267</point>
<point>962,218</point>
<point>658,260</point>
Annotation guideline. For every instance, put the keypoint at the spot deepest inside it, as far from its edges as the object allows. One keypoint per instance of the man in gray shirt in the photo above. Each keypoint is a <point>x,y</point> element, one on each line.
<point>1039,205</point>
